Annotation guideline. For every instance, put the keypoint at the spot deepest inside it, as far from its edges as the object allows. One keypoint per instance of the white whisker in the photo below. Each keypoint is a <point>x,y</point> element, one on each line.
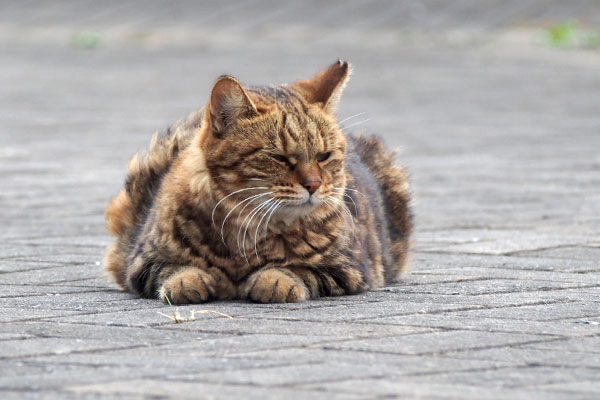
<point>256,179</point>
<point>344,208</point>
<point>352,190</point>
<point>251,198</point>
<point>258,226</point>
<point>231,194</point>
<point>334,207</point>
<point>350,117</point>
<point>352,200</point>
<point>337,204</point>
<point>356,123</point>
<point>249,218</point>
<point>240,226</point>
<point>254,214</point>
<point>241,212</point>
<point>279,205</point>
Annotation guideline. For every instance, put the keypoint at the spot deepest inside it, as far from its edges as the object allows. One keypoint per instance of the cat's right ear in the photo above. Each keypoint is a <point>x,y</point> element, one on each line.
<point>228,102</point>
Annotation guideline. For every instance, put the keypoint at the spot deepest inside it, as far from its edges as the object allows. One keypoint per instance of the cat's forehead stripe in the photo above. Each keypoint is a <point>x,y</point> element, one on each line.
<point>304,131</point>
<point>299,128</point>
<point>283,96</point>
<point>291,128</point>
<point>298,100</point>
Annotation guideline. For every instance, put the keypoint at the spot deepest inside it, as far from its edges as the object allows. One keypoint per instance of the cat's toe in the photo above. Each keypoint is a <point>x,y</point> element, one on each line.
<point>276,286</point>
<point>189,286</point>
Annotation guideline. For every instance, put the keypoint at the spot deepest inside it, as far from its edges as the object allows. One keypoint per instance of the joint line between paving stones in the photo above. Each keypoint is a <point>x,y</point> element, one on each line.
<point>88,351</point>
<point>451,351</point>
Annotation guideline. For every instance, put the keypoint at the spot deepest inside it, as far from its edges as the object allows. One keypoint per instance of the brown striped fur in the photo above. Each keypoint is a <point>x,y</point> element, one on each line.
<point>261,196</point>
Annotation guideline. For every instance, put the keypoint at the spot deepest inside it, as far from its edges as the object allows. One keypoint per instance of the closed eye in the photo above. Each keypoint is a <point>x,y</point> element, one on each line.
<point>282,159</point>
<point>323,156</point>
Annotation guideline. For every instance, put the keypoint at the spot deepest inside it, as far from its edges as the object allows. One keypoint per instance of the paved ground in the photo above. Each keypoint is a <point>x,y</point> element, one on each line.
<point>499,131</point>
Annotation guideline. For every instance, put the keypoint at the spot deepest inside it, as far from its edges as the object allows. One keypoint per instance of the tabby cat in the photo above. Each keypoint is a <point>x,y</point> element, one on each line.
<point>261,196</point>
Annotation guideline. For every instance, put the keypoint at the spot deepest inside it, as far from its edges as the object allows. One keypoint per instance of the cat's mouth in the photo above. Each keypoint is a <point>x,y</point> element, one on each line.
<point>305,200</point>
<point>299,207</point>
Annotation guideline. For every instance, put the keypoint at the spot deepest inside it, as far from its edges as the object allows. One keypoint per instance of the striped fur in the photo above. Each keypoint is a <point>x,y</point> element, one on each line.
<point>261,196</point>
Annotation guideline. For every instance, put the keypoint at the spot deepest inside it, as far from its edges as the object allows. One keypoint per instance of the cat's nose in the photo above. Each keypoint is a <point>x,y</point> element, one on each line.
<point>311,185</point>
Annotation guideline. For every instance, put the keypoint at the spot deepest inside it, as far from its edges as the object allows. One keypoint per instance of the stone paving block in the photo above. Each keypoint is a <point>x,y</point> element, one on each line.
<point>398,364</point>
<point>443,263</point>
<point>9,315</point>
<point>58,371</point>
<point>455,301</point>
<point>70,256</point>
<point>14,336</point>
<point>566,253</point>
<point>441,342</point>
<point>13,265</point>
<point>170,364</point>
<point>468,272</point>
<point>56,394</point>
<point>430,388</point>
<point>231,344</point>
<point>85,243</point>
<point>99,301</point>
<point>174,388</point>
<point>588,344</point>
<point>245,325</point>
<point>25,290</point>
<point>124,336</point>
<point>98,282</point>
<point>456,320</point>
<point>491,286</point>
<point>493,241</point>
<point>18,249</point>
<point>552,356</point>
<point>581,389</point>
<point>527,376</point>
<point>63,274</point>
<point>53,377</point>
<point>590,294</point>
<point>561,296</point>
<point>149,312</point>
<point>39,346</point>
<point>357,311</point>
<point>450,321</point>
<point>140,313</point>
<point>543,312</point>
<point>291,375</point>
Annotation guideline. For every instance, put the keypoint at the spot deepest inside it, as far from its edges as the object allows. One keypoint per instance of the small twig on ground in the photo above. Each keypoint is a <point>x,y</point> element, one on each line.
<point>194,312</point>
<point>178,318</point>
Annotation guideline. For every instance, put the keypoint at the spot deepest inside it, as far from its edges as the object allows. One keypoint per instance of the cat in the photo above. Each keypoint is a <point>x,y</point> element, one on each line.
<point>261,196</point>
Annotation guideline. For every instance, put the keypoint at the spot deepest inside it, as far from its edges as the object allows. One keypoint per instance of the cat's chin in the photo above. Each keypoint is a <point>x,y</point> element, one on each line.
<point>288,215</point>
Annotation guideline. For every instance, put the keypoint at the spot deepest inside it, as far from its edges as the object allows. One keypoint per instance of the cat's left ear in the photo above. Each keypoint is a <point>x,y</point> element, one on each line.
<point>325,88</point>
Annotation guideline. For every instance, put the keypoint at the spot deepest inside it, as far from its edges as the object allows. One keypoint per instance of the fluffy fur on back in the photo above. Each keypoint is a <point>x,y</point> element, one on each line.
<point>261,196</point>
<point>126,212</point>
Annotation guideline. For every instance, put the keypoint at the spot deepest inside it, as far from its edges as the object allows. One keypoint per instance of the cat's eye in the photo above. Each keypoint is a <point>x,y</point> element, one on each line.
<point>282,159</point>
<point>323,156</point>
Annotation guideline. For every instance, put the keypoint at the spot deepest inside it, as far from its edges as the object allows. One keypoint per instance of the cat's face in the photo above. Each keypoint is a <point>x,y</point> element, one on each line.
<point>277,151</point>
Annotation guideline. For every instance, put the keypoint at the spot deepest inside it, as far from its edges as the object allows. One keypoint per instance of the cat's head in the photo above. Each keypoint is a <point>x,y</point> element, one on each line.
<point>277,147</point>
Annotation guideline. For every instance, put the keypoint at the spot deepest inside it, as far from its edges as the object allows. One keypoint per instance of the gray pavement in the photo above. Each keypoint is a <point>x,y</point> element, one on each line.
<point>499,130</point>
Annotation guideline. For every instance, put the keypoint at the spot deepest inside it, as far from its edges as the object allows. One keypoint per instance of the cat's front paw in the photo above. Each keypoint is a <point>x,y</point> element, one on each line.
<point>275,286</point>
<point>188,286</point>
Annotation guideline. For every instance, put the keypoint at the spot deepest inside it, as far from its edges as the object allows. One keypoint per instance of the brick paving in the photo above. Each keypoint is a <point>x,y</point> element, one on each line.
<point>500,133</point>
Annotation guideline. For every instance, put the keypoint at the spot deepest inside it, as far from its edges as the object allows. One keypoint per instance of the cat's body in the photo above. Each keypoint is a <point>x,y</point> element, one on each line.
<point>261,197</point>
